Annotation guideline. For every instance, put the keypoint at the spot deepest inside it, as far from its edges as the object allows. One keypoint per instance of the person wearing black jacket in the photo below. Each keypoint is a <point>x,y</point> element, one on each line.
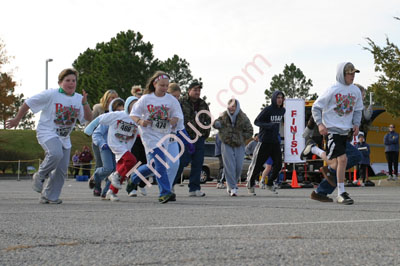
<point>269,121</point>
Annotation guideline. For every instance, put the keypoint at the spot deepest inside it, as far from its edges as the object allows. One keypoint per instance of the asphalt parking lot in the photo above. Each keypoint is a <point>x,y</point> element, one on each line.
<point>284,229</point>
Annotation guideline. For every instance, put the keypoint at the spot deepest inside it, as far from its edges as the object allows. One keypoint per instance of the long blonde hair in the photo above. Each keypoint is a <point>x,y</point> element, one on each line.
<point>106,97</point>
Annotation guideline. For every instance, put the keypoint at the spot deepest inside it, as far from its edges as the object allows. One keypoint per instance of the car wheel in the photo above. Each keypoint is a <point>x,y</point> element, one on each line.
<point>204,175</point>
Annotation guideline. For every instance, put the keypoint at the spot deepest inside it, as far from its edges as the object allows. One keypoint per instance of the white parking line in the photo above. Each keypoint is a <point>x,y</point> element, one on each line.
<point>271,224</point>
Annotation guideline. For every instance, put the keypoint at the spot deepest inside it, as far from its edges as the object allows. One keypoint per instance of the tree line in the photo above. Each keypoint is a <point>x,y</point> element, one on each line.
<point>128,60</point>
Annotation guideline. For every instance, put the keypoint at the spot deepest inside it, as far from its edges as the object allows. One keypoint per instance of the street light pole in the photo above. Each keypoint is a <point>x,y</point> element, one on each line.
<point>47,71</point>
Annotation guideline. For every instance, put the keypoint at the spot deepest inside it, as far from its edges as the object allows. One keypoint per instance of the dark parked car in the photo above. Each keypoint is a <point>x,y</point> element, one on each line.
<point>210,169</point>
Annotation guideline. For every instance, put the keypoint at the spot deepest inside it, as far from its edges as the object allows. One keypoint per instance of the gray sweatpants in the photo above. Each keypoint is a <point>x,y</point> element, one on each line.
<point>55,166</point>
<point>233,158</point>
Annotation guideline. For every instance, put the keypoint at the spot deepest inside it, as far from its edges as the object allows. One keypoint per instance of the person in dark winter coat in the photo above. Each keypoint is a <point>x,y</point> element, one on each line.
<point>391,141</point>
<point>269,121</point>
<point>362,166</point>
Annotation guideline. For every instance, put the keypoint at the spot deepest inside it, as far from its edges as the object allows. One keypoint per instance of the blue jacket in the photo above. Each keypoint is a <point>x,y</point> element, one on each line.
<point>99,136</point>
<point>364,152</point>
<point>391,141</point>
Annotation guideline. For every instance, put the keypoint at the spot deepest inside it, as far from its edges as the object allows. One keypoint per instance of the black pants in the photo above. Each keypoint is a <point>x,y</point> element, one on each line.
<point>261,153</point>
<point>77,168</point>
<point>362,171</point>
<point>392,157</point>
<point>86,169</point>
<point>139,152</point>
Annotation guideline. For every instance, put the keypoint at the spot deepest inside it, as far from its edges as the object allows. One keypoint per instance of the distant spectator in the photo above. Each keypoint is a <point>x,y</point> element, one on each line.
<point>85,158</point>
<point>362,166</point>
<point>391,141</point>
<point>76,164</point>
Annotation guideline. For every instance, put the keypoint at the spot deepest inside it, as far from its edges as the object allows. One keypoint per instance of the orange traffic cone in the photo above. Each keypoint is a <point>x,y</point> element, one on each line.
<point>355,180</point>
<point>294,180</point>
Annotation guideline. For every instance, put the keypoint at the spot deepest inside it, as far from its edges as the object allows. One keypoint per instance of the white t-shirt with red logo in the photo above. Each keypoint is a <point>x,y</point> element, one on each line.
<point>59,115</point>
<point>122,132</point>
<point>158,110</point>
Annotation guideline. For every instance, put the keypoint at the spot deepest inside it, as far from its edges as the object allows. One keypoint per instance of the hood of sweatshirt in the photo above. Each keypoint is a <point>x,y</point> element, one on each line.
<point>274,96</point>
<point>235,114</point>
<point>340,73</point>
<point>128,102</point>
<point>111,104</point>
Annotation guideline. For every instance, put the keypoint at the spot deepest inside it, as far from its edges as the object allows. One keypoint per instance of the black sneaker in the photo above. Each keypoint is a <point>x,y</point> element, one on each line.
<point>130,186</point>
<point>307,150</point>
<point>345,199</point>
<point>320,197</point>
<point>91,182</point>
<point>96,193</point>
<point>166,198</point>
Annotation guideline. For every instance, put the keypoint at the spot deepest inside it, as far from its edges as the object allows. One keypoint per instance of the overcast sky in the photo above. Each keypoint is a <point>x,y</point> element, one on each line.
<point>217,38</point>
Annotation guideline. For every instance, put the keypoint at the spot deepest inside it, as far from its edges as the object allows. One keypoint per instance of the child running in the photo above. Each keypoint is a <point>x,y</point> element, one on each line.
<point>156,113</point>
<point>336,112</point>
<point>121,136</point>
<point>107,157</point>
<point>61,108</point>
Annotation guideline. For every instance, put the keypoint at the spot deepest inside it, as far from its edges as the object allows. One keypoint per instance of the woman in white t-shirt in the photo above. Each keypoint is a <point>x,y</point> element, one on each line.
<point>156,113</point>
<point>61,108</point>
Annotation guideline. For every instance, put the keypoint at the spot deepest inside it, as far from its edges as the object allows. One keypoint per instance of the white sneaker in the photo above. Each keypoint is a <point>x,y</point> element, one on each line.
<point>197,193</point>
<point>262,185</point>
<point>133,193</point>
<point>233,192</point>
<point>394,178</point>
<point>111,196</point>
<point>37,183</point>
<point>272,189</point>
<point>143,191</point>
<point>115,180</point>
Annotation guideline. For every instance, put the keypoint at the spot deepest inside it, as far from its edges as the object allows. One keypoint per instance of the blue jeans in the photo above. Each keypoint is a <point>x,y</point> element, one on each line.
<point>353,158</point>
<point>97,156</point>
<point>162,180</point>
<point>196,159</point>
<point>108,166</point>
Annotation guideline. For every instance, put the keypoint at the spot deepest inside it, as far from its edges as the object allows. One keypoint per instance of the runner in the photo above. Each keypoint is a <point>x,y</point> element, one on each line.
<point>336,112</point>
<point>121,136</point>
<point>156,113</point>
<point>234,128</point>
<point>61,108</point>
<point>269,121</point>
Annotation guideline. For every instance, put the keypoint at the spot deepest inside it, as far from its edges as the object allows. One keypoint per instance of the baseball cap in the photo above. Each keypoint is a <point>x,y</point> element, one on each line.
<point>361,134</point>
<point>350,69</point>
<point>195,84</point>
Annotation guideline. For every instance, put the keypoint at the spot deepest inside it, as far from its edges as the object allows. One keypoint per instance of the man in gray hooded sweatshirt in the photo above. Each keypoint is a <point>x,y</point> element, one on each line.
<point>336,112</point>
